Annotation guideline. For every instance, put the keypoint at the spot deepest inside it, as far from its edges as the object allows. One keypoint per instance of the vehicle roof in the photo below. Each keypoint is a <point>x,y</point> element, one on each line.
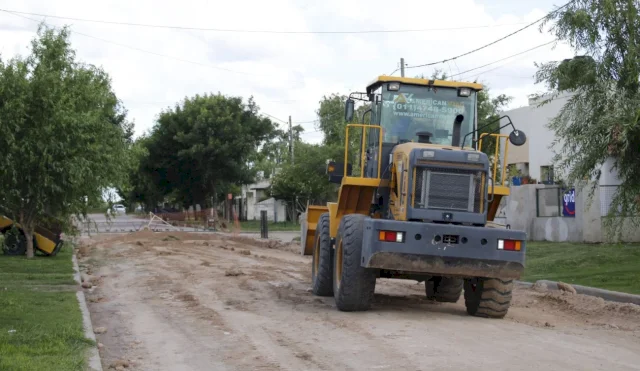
<point>424,82</point>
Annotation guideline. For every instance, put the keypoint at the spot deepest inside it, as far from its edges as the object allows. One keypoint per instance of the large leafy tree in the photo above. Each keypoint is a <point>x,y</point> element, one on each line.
<point>600,120</point>
<point>276,152</point>
<point>204,145</point>
<point>64,134</point>
<point>139,186</point>
<point>305,179</point>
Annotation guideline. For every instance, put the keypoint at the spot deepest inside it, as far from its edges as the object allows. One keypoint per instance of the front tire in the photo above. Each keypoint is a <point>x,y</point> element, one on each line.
<point>321,269</point>
<point>444,289</point>
<point>488,297</point>
<point>353,285</point>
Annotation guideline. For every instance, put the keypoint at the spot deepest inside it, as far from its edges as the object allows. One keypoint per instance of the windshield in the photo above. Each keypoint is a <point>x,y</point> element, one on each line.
<point>413,109</point>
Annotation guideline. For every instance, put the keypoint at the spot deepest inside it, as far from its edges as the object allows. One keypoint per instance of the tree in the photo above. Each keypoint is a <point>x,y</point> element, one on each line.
<point>306,178</point>
<point>64,134</point>
<point>276,152</point>
<point>331,122</point>
<point>204,145</point>
<point>600,120</point>
<point>139,186</point>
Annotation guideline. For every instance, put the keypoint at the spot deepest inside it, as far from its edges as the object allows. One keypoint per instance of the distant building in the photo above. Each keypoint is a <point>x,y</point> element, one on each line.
<point>254,199</point>
<point>544,210</point>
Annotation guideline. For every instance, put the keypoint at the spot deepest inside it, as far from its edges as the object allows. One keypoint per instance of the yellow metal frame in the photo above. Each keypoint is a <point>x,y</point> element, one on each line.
<point>354,196</point>
<point>362,154</point>
<point>499,189</point>
<point>503,171</point>
<point>425,82</point>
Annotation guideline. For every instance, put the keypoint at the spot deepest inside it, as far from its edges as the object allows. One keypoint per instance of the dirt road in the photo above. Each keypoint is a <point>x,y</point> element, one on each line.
<point>204,302</point>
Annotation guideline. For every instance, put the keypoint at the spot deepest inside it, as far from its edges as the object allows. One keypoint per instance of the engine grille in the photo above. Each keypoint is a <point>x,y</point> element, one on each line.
<point>449,189</point>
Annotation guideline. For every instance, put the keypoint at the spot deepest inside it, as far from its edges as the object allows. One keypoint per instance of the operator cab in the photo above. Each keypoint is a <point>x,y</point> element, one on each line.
<point>418,110</point>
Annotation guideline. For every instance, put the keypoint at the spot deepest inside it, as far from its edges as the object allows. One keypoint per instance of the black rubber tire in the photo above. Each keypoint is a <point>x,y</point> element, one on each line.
<point>14,245</point>
<point>444,289</point>
<point>488,297</point>
<point>322,277</point>
<point>353,290</point>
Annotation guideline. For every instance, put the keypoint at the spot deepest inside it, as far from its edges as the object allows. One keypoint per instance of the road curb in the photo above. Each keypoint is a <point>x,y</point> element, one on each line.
<point>95,363</point>
<point>619,297</point>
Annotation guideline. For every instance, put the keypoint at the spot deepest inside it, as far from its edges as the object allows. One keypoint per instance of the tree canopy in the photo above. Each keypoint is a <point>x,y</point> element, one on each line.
<point>64,134</point>
<point>600,120</point>
<point>205,144</point>
<point>306,178</point>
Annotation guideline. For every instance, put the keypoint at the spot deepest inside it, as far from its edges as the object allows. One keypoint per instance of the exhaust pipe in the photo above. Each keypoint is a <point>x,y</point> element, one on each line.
<point>457,127</point>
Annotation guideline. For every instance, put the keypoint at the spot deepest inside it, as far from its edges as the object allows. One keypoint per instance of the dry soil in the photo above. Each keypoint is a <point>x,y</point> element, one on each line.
<point>184,301</point>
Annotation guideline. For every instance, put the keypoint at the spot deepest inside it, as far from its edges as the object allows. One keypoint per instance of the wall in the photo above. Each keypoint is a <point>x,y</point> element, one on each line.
<point>586,226</point>
<point>276,210</point>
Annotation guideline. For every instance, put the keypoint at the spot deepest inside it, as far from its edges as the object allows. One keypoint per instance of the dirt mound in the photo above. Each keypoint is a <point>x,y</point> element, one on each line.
<point>268,244</point>
<point>565,307</point>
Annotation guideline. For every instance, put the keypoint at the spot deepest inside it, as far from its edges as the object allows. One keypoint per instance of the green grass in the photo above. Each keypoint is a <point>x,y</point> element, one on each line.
<point>254,226</point>
<point>606,266</point>
<point>40,320</point>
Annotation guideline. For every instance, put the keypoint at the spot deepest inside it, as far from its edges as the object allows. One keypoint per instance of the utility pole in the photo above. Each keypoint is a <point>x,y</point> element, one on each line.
<point>402,67</point>
<point>291,139</point>
<point>293,209</point>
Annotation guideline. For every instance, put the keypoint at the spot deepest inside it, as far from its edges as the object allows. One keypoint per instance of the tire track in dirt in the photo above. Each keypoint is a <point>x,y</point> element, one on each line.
<point>209,304</point>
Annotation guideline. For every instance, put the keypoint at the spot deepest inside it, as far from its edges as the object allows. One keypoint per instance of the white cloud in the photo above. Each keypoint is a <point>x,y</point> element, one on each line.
<point>286,73</point>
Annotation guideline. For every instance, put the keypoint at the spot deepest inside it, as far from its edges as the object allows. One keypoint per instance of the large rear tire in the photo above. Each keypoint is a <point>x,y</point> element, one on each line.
<point>444,289</point>
<point>321,271</point>
<point>488,297</point>
<point>353,285</point>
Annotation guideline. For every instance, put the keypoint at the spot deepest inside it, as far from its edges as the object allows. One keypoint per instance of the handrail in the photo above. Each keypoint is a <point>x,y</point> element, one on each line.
<point>503,177</point>
<point>364,140</point>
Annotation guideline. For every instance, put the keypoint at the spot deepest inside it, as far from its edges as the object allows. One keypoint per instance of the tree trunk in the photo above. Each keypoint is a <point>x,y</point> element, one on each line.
<point>28,228</point>
<point>28,234</point>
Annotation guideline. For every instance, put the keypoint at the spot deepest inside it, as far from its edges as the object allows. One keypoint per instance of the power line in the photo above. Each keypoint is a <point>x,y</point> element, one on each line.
<point>273,117</point>
<point>151,52</point>
<point>493,42</point>
<point>502,59</point>
<point>318,119</point>
<point>253,31</point>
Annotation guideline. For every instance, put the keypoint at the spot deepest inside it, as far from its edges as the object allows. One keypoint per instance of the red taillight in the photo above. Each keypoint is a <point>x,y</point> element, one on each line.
<point>510,245</point>
<point>391,236</point>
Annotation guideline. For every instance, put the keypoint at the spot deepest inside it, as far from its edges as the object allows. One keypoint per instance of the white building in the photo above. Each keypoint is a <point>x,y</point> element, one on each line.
<point>535,157</point>
<point>255,199</point>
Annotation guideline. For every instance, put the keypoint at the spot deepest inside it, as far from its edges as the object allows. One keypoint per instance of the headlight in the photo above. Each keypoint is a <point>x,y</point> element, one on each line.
<point>429,154</point>
<point>464,92</point>
<point>393,86</point>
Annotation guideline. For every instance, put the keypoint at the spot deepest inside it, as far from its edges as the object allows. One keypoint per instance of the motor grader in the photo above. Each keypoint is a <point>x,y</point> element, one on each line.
<point>422,204</point>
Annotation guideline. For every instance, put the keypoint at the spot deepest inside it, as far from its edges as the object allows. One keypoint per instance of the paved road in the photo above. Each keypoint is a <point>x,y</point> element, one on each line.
<point>99,223</point>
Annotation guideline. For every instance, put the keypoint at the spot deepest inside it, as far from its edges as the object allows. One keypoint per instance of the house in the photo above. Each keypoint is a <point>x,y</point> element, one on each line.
<point>255,199</point>
<point>545,210</point>
<point>535,157</point>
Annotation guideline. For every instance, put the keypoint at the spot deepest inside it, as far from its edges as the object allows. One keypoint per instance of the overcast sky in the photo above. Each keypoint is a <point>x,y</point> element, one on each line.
<point>289,73</point>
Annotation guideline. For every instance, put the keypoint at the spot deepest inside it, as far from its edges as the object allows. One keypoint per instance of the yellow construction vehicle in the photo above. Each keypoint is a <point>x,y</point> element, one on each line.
<point>423,204</point>
<point>47,241</point>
